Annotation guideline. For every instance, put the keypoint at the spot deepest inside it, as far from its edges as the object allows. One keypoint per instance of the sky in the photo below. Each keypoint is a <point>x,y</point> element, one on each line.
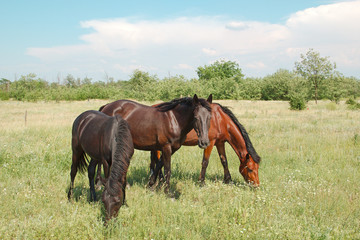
<point>102,39</point>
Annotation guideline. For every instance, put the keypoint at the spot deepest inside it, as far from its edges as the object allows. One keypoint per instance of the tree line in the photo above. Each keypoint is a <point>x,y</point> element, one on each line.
<point>313,78</point>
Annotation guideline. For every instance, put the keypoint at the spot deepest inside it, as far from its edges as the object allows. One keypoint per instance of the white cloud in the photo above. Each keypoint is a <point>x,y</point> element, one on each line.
<point>209,51</point>
<point>239,26</point>
<point>255,65</point>
<point>118,46</point>
<point>184,66</point>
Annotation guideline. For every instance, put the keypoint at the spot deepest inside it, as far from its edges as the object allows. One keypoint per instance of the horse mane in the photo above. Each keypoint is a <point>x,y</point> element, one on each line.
<point>102,107</point>
<point>121,161</point>
<point>250,148</point>
<point>166,106</point>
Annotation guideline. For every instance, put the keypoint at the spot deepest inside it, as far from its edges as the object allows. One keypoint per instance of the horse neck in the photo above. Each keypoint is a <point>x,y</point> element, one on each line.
<point>235,138</point>
<point>185,118</point>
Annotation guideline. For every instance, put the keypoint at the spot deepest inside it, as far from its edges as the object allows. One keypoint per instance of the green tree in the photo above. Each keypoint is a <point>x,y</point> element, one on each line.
<point>174,87</point>
<point>220,69</point>
<point>28,88</point>
<point>315,69</point>
<point>4,89</point>
<point>70,81</point>
<point>86,81</point>
<point>222,79</point>
<point>335,88</point>
<point>250,89</point>
<point>143,86</point>
<point>277,86</point>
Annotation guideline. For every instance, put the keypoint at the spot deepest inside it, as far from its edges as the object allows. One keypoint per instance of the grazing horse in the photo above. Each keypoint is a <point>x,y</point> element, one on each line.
<point>164,127</point>
<point>224,127</point>
<point>108,140</point>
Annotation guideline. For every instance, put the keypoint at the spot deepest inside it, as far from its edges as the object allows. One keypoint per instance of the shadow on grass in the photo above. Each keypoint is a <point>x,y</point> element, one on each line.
<point>178,176</point>
<point>182,175</point>
<point>80,191</point>
<point>139,175</point>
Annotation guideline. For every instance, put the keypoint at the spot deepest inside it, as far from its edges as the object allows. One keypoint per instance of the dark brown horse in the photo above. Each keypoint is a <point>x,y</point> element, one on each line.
<point>106,140</point>
<point>224,127</point>
<point>164,127</point>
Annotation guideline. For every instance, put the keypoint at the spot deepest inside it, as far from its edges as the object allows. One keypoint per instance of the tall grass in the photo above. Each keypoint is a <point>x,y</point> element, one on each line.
<point>309,174</point>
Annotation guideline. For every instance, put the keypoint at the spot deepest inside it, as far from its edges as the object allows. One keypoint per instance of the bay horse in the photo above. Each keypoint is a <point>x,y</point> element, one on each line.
<point>164,127</point>
<point>106,140</point>
<point>225,127</point>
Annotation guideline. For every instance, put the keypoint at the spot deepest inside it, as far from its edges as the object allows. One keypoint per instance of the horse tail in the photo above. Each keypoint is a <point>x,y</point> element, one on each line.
<point>83,163</point>
<point>250,148</point>
<point>124,149</point>
<point>80,160</point>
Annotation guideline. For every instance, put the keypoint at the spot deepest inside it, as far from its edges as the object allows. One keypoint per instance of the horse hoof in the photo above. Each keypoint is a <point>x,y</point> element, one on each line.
<point>227,181</point>
<point>98,186</point>
<point>150,186</point>
<point>69,195</point>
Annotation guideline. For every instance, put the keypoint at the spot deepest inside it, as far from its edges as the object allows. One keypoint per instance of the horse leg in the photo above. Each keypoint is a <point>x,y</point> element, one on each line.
<point>205,161</point>
<point>221,150</point>
<point>166,157</point>
<point>99,180</point>
<point>106,171</point>
<point>91,174</point>
<point>158,156</point>
<point>155,166</point>
<point>153,163</point>
<point>76,158</point>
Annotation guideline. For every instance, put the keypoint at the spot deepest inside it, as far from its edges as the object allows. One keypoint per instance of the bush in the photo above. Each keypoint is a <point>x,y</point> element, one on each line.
<point>297,101</point>
<point>350,101</point>
<point>278,85</point>
<point>352,104</point>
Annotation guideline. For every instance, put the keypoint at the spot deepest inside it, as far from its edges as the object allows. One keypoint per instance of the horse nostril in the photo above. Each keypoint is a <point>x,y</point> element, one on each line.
<point>254,184</point>
<point>203,144</point>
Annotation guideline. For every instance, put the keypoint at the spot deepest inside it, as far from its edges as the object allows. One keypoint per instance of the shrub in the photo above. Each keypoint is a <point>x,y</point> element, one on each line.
<point>297,101</point>
<point>4,95</point>
<point>352,104</point>
<point>277,85</point>
<point>350,101</point>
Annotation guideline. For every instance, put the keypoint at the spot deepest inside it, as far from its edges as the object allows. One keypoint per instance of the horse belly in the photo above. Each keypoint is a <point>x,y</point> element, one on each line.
<point>145,130</point>
<point>145,142</point>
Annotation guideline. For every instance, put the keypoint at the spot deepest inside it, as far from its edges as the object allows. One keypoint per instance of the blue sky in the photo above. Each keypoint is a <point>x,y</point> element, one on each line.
<point>99,38</point>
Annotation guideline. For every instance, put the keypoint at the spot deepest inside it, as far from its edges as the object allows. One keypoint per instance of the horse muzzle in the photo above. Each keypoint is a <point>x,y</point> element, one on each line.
<point>203,143</point>
<point>253,184</point>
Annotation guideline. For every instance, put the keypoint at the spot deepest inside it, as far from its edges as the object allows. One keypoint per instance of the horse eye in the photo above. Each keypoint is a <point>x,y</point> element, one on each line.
<point>250,170</point>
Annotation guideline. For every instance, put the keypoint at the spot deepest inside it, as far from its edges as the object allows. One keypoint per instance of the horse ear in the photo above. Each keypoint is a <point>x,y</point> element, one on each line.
<point>209,98</point>
<point>195,99</point>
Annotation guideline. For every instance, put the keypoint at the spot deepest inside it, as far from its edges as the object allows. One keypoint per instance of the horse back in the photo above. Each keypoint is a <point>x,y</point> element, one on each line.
<point>92,132</point>
<point>148,126</point>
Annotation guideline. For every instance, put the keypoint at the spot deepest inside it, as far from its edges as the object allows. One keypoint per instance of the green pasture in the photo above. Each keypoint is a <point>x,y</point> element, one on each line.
<point>309,176</point>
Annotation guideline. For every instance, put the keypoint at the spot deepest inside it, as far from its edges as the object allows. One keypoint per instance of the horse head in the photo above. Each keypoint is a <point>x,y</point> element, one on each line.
<point>202,116</point>
<point>249,170</point>
<point>112,203</point>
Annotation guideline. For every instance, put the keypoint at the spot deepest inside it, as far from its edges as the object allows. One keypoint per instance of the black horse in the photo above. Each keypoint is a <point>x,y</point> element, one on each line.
<point>106,140</point>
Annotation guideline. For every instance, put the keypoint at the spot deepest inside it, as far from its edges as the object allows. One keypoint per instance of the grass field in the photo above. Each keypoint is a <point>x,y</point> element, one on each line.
<point>309,175</point>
